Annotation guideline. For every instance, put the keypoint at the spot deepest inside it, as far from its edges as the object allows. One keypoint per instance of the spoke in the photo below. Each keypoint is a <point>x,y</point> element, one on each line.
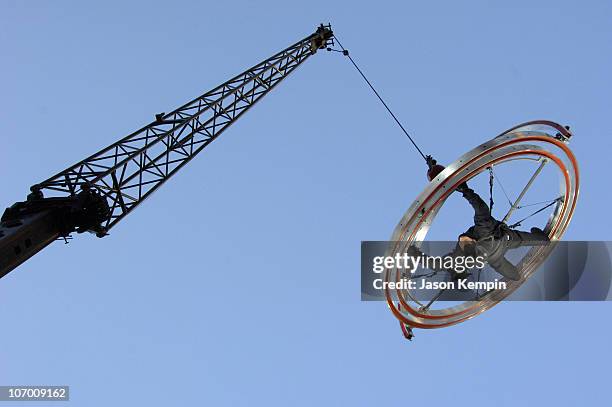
<point>537,203</point>
<point>424,275</point>
<point>426,307</point>
<point>502,187</point>
<point>534,213</point>
<point>524,191</point>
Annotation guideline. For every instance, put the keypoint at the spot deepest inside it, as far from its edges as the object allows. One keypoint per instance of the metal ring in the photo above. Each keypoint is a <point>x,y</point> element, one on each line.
<point>516,143</point>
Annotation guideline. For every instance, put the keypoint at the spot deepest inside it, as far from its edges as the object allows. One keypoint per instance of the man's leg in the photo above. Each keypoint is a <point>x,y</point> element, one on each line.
<point>521,237</point>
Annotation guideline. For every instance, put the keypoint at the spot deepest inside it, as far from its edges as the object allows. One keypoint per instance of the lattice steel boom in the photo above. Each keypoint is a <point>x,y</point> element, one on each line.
<point>96,193</point>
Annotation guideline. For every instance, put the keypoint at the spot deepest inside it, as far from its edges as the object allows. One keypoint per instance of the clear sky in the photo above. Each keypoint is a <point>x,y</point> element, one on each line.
<point>237,283</point>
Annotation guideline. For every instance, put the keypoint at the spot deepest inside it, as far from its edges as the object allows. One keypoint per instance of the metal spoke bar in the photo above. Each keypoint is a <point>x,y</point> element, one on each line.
<point>524,191</point>
<point>430,303</point>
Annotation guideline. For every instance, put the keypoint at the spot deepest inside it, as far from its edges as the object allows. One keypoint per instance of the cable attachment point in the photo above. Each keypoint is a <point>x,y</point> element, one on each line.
<point>433,168</point>
<point>564,137</point>
<point>343,51</point>
<point>322,38</point>
<point>431,162</point>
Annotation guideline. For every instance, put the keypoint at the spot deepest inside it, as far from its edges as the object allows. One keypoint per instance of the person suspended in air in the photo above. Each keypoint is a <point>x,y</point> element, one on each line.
<point>492,237</point>
<point>487,237</point>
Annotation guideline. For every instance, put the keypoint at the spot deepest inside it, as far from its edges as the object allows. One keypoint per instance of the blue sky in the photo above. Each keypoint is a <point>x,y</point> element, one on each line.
<point>237,283</point>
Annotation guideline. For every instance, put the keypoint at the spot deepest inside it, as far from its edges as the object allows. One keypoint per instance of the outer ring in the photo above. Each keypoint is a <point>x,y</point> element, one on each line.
<point>421,209</point>
<point>479,306</point>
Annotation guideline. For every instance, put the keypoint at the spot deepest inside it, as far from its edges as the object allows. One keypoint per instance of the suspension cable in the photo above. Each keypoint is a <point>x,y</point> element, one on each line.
<point>536,203</point>
<point>533,214</point>
<point>502,186</point>
<point>346,53</point>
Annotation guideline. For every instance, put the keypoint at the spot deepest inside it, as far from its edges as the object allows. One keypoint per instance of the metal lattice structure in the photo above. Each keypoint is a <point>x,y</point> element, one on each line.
<point>129,170</point>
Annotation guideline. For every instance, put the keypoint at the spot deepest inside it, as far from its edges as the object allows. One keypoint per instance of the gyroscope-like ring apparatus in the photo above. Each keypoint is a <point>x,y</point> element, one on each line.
<point>542,141</point>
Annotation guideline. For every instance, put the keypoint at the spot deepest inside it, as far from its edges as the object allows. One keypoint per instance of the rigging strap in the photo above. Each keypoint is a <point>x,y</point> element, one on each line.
<point>491,190</point>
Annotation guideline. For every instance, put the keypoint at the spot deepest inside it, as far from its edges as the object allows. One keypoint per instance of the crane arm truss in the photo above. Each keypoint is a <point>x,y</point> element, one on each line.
<point>129,170</point>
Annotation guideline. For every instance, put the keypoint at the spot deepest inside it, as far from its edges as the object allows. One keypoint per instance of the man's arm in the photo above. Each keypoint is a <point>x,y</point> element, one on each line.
<point>481,209</point>
<point>483,221</point>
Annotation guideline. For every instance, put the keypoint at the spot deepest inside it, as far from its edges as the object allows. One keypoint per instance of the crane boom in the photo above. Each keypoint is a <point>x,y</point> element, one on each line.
<point>96,193</point>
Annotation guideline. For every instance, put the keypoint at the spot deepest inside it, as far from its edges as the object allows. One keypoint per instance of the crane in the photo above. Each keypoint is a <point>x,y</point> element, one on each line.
<point>96,193</point>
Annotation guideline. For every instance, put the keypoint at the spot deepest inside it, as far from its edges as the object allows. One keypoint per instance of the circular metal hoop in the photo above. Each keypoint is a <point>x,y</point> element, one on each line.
<point>531,140</point>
